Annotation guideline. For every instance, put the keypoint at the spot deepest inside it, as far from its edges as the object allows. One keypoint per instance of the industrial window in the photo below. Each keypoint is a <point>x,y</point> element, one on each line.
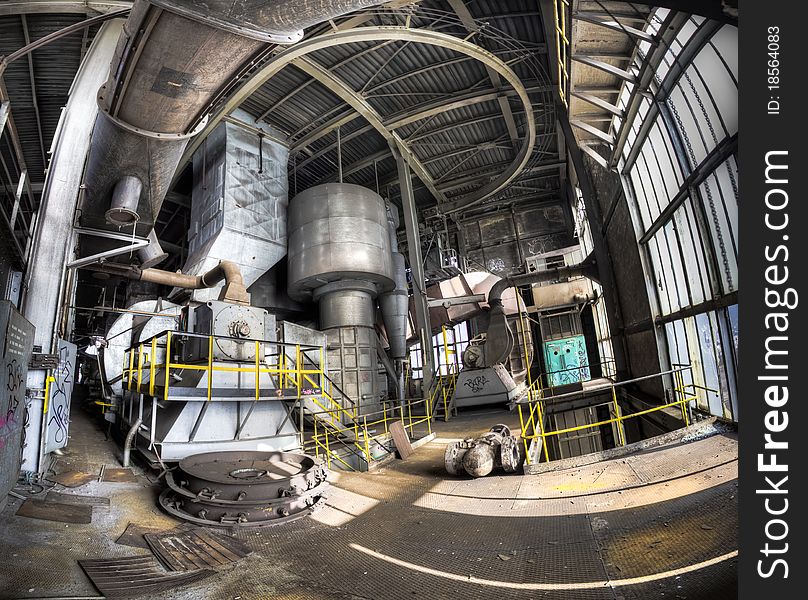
<point>680,172</point>
<point>448,347</point>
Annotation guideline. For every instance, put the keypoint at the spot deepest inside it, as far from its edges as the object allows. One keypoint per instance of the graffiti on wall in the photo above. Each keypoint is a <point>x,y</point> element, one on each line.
<point>477,384</point>
<point>58,418</point>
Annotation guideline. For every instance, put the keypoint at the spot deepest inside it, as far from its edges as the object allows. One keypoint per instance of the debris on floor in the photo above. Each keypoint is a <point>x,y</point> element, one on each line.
<point>188,549</point>
<point>136,575</point>
<point>73,479</point>
<point>118,475</point>
<point>93,501</point>
<point>56,511</point>
<point>133,536</point>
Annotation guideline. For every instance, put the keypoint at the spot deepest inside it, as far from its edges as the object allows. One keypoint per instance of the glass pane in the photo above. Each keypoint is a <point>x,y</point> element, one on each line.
<point>726,43</point>
<point>687,127</point>
<point>722,87</point>
<point>720,205</point>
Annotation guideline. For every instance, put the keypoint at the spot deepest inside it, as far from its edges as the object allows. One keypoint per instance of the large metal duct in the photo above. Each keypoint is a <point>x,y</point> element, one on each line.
<point>500,339</point>
<point>173,60</point>
<point>395,303</point>
<point>238,206</point>
<point>339,255</point>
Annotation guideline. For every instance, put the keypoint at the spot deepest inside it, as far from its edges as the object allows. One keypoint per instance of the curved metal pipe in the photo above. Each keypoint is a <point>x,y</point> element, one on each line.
<point>127,444</point>
<point>499,339</point>
<point>585,268</point>
<point>233,290</point>
<point>175,59</point>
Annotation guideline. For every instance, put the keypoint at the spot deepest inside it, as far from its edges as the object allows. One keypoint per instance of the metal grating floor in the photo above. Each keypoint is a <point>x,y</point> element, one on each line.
<point>409,531</point>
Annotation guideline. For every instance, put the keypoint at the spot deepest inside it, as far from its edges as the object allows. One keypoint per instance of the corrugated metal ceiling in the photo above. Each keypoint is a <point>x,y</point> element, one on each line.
<point>394,77</point>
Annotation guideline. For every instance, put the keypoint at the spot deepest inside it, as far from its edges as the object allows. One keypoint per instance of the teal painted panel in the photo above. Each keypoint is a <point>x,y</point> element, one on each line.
<point>567,361</point>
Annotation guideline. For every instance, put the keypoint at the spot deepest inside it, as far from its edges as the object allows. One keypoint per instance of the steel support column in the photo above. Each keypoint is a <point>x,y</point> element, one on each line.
<point>422,322</point>
<point>600,245</point>
<point>45,279</point>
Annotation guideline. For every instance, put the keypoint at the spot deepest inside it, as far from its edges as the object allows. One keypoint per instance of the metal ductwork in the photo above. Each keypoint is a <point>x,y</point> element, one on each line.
<point>238,205</point>
<point>500,339</point>
<point>395,303</point>
<point>173,60</point>
<point>153,254</point>
<point>227,271</point>
<point>339,255</point>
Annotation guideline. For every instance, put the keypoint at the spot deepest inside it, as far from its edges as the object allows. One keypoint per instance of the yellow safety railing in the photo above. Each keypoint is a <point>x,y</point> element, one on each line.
<point>358,433</point>
<point>531,412</point>
<point>584,371</point>
<point>562,38</point>
<point>296,373</point>
<point>443,389</point>
<point>291,374</point>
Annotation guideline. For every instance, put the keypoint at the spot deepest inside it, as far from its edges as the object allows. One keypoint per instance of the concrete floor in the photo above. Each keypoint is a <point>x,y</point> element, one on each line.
<point>657,524</point>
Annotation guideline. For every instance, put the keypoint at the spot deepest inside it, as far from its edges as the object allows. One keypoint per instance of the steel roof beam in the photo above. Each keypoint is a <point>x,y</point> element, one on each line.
<point>475,175</point>
<point>323,130</point>
<point>457,125</point>
<point>416,72</point>
<point>333,146</point>
<point>615,26</point>
<point>606,67</point>
<point>358,166</point>
<point>436,107</point>
<point>307,83</point>
<point>382,33</point>
<point>34,101</point>
<point>353,99</point>
<point>14,136</point>
<point>459,7</point>
<point>599,102</point>
<point>88,7</point>
<point>712,9</point>
<point>593,53</point>
<point>421,111</point>
<point>601,135</point>
<point>52,37</point>
<point>670,28</point>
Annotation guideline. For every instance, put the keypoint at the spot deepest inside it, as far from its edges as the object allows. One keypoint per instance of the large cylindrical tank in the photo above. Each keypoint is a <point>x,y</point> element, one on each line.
<point>338,232</point>
<point>174,61</point>
<point>340,255</point>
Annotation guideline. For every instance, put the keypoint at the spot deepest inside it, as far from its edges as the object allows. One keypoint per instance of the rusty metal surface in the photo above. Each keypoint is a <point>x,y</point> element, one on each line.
<point>118,475</point>
<point>224,489</point>
<point>55,511</point>
<point>133,536</point>
<point>136,576</point>
<point>196,549</point>
<point>73,479</point>
<point>77,500</point>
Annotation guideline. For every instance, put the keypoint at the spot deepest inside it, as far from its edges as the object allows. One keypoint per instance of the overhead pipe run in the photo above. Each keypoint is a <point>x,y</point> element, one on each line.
<point>227,271</point>
<point>173,61</point>
<point>499,339</point>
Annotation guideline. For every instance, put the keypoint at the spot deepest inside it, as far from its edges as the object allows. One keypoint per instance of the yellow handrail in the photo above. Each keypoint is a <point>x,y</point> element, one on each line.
<point>327,420</point>
<point>534,418</point>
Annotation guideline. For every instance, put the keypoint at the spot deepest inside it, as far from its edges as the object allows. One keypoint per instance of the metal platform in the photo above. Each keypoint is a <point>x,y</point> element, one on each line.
<point>659,522</point>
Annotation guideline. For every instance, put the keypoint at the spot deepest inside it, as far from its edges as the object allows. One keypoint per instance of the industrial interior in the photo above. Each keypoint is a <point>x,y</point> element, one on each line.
<point>355,299</point>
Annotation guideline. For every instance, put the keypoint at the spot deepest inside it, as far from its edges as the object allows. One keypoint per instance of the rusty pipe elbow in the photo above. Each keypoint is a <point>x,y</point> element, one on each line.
<point>233,290</point>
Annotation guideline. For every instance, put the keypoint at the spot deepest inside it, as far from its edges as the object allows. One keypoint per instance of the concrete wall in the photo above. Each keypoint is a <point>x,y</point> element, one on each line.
<point>642,352</point>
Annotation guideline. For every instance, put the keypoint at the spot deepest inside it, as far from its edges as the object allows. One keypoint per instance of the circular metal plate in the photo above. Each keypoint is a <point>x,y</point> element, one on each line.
<point>238,468</point>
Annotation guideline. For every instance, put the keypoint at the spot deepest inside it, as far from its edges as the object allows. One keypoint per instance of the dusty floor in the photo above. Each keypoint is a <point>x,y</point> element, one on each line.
<point>660,524</point>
